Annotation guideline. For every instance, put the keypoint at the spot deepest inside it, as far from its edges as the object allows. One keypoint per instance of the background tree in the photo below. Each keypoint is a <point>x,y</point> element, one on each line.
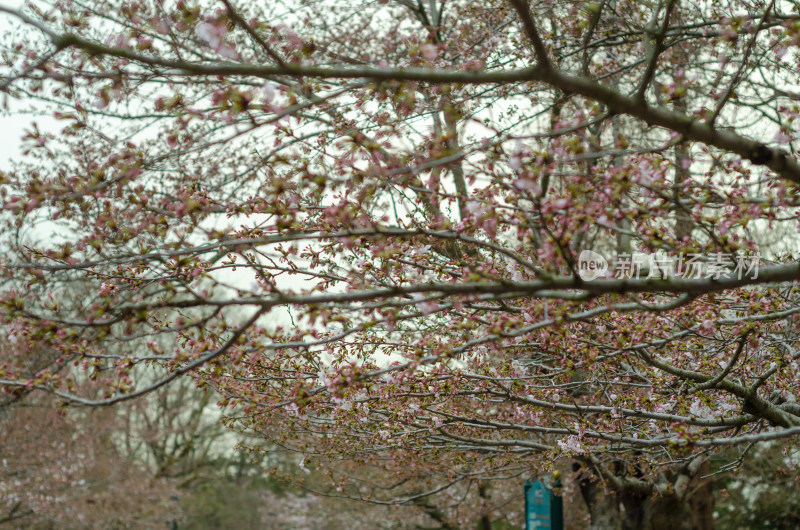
<point>361,222</point>
<point>63,470</point>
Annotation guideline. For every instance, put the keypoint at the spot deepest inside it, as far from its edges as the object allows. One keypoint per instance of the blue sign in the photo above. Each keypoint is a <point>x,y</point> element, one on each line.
<point>543,509</point>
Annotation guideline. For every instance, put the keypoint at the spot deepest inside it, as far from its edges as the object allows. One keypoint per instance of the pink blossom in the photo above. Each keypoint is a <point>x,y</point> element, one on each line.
<point>430,52</point>
<point>781,138</point>
<point>426,307</point>
<point>474,65</point>
<point>228,51</point>
<point>268,92</point>
<point>571,444</point>
<point>475,207</point>
<point>162,26</point>
<point>302,465</point>
<point>212,34</point>
<point>527,184</point>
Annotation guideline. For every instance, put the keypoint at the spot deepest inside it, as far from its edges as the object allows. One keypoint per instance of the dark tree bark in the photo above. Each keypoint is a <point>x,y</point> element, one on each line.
<point>701,500</point>
<point>689,503</point>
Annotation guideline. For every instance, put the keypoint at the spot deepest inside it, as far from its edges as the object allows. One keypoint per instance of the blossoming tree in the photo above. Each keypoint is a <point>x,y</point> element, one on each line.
<point>366,224</point>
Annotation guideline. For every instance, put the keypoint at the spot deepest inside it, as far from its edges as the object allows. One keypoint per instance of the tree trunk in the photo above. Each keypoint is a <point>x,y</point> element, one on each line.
<point>701,501</point>
<point>633,511</point>
<point>603,508</point>
<point>652,513</point>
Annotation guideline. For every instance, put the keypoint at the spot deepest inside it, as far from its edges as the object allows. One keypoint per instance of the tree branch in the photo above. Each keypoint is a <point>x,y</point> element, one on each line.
<point>524,11</point>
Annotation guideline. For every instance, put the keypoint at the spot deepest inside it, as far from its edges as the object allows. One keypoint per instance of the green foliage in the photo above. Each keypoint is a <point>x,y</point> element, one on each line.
<point>763,494</point>
<point>229,503</point>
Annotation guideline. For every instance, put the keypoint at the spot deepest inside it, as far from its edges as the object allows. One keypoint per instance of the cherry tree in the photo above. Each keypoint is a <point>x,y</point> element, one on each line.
<point>462,241</point>
<point>62,469</point>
